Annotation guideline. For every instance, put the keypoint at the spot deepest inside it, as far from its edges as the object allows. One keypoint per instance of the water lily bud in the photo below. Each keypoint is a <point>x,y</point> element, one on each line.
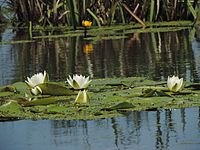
<point>82,97</point>
<point>174,83</point>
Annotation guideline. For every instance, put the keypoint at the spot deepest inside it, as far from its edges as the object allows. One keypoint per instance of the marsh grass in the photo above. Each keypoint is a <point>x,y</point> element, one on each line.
<point>97,34</point>
<point>100,12</point>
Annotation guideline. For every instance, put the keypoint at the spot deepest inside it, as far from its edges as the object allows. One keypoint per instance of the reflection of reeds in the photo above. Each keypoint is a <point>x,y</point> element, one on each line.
<point>104,12</point>
<point>153,55</point>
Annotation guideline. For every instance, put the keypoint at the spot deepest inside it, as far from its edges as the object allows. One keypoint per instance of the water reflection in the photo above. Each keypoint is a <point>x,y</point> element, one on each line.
<point>166,129</point>
<point>196,51</point>
<point>152,55</point>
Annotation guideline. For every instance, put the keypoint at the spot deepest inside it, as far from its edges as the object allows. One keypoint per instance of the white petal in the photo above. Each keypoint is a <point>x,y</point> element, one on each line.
<point>36,90</point>
<point>179,84</point>
<point>174,83</point>
<point>169,83</point>
<point>78,81</point>
<point>29,82</point>
<point>86,84</point>
<point>46,77</point>
<point>39,89</point>
<point>70,82</point>
<point>70,78</point>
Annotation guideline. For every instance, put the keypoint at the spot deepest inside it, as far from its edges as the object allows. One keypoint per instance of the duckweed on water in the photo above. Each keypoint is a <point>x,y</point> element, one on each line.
<point>108,98</point>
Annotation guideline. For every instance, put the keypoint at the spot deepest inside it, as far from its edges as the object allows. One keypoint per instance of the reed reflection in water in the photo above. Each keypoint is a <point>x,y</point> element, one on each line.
<point>151,55</point>
<point>166,129</point>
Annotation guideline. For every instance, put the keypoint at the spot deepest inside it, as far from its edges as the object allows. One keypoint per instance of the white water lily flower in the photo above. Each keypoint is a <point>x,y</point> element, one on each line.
<point>36,79</point>
<point>174,83</point>
<point>36,90</point>
<point>79,81</point>
<point>82,97</point>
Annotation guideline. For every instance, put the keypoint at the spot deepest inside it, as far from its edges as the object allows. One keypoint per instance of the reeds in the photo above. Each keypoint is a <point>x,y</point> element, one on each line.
<point>101,12</point>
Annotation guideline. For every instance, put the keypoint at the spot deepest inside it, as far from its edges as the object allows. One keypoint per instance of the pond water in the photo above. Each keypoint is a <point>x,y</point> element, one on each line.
<point>151,55</point>
<point>167,129</point>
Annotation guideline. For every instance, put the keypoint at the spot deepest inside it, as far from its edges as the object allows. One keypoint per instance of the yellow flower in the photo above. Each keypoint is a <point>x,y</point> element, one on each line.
<point>174,83</point>
<point>88,48</point>
<point>86,23</point>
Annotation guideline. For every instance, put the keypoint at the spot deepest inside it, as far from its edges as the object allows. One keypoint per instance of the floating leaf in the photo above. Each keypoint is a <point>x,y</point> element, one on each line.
<point>51,88</point>
<point>6,94</point>
<point>21,87</point>
<point>182,93</point>
<point>195,86</point>
<point>45,101</point>
<point>122,105</point>
<point>115,84</point>
<point>11,107</point>
<point>8,88</point>
<point>153,93</point>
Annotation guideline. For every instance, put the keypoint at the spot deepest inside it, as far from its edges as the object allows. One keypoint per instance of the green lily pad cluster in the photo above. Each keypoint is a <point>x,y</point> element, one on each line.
<point>39,85</point>
<point>108,98</point>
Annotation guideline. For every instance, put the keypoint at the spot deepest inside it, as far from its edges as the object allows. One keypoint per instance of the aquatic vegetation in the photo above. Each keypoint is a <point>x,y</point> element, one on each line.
<point>174,83</point>
<point>104,33</point>
<point>35,80</point>
<point>79,82</point>
<point>108,98</point>
<point>36,90</point>
<point>82,97</point>
<point>70,12</point>
<point>86,23</point>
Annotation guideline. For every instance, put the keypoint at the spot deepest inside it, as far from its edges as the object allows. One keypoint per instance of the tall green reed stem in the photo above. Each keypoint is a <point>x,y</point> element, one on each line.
<point>94,16</point>
<point>152,10</point>
<point>72,12</point>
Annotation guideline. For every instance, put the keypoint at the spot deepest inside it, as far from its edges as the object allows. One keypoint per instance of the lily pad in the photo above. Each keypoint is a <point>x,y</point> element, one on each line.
<point>46,101</point>
<point>52,88</point>
<point>21,87</point>
<point>108,98</point>
<point>195,86</point>
<point>11,110</point>
<point>8,88</point>
<point>153,93</point>
<point>6,94</point>
<point>122,105</point>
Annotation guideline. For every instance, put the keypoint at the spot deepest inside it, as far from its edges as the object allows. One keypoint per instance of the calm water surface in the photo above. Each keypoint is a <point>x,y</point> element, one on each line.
<point>167,129</point>
<point>151,55</point>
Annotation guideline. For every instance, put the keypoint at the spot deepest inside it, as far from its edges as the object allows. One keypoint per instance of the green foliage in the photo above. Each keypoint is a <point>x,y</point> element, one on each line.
<point>94,16</point>
<point>72,12</point>
<point>108,98</point>
<point>52,88</point>
<point>152,10</point>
